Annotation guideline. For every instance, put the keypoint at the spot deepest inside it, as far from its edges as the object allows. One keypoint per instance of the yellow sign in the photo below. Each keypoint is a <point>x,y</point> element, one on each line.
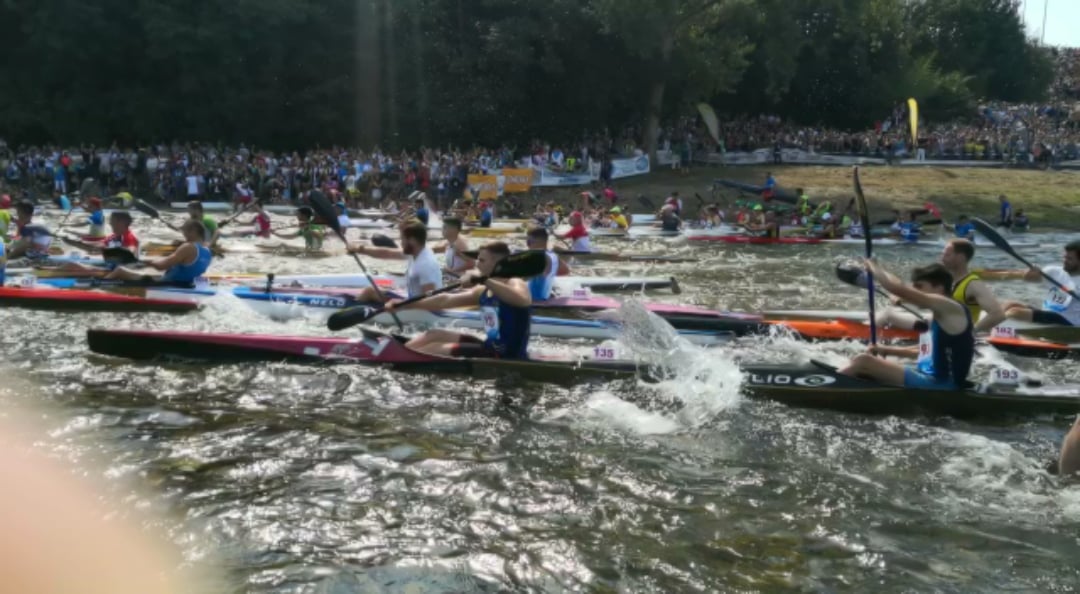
<point>517,180</point>
<point>484,187</point>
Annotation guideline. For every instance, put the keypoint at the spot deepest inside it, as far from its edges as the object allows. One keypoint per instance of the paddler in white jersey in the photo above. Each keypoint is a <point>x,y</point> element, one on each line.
<point>423,274</point>
<point>1059,307</point>
<point>453,247</point>
<point>946,349</point>
<point>540,287</point>
<point>968,289</point>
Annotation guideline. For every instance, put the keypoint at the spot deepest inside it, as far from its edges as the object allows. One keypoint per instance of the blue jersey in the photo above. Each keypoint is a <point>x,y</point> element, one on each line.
<point>909,231</point>
<point>485,218</point>
<point>422,214</point>
<point>506,327</point>
<point>965,230</point>
<point>187,273</point>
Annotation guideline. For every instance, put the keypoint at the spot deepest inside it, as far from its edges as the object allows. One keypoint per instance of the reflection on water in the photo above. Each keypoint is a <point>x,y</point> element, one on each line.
<point>297,479</point>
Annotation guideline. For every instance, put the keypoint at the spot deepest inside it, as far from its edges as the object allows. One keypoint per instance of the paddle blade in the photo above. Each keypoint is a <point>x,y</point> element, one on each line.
<point>141,206</point>
<point>325,211</point>
<point>521,265</point>
<point>851,274</point>
<point>119,255</point>
<point>380,240</point>
<point>347,318</point>
<point>989,232</point>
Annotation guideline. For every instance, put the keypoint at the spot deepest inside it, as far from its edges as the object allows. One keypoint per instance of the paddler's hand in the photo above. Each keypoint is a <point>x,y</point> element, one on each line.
<point>471,279</point>
<point>356,248</point>
<point>391,305</point>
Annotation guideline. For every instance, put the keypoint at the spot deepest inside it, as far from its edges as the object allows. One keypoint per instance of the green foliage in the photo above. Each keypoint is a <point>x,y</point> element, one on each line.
<point>401,73</point>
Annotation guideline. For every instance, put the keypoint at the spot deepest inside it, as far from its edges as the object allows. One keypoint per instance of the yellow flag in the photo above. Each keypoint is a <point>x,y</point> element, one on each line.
<point>913,114</point>
<point>711,122</point>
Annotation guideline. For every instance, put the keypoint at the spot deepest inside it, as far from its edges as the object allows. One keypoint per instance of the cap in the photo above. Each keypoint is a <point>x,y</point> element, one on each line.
<point>608,192</point>
<point>615,209</point>
<point>758,207</point>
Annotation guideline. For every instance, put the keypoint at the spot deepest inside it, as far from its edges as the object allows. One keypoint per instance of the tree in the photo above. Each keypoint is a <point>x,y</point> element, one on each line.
<point>660,32</point>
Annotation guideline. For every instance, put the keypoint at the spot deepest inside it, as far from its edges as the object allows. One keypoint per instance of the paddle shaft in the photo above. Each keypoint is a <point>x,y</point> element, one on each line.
<point>864,217</point>
<point>997,239</point>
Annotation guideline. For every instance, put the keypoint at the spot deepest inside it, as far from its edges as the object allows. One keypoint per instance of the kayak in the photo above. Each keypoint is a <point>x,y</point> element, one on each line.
<point>801,385</point>
<point>936,243</point>
<point>755,240</point>
<point>582,257</point>
<point>563,284</point>
<point>88,300</point>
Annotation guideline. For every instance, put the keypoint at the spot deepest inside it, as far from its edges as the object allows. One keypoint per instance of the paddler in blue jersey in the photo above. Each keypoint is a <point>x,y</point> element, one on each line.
<point>32,242</point>
<point>1005,216</point>
<point>190,260</point>
<point>946,349</point>
<point>504,305</point>
<point>909,229</point>
<point>964,228</point>
<point>540,287</point>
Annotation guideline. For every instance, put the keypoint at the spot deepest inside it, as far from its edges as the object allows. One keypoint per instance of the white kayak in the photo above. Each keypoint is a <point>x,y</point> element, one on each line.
<point>564,285</point>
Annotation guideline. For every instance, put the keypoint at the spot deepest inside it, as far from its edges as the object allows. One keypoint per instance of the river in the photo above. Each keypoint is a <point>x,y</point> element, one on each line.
<point>285,478</point>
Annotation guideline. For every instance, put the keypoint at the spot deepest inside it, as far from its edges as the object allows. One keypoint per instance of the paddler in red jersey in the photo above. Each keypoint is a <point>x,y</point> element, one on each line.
<point>504,306</point>
<point>260,224</point>
<point>578,233</point>
<point>190,260</point>
<point>946,349</point>
<point>121,237</point>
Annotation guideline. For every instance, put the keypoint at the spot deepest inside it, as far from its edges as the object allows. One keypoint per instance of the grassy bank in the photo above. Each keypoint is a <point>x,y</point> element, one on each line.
<point>1050,198</point>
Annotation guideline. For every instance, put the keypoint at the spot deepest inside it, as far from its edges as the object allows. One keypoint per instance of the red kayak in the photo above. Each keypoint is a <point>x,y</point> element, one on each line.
<point>755,240</point>
<point>88,300</point>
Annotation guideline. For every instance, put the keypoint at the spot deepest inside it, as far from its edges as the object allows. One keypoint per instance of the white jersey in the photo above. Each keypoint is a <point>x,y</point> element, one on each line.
<point>451,258</point>
<point>1060,302</point>
<point>423,270</point>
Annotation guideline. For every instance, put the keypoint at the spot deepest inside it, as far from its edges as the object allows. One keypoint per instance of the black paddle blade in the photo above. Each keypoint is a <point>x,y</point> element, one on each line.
<point>119,255</point>
<point>852,274</point>
<point>989,232</point>
<point>521,265</point>
<point>347,318</point>
<point>380,240</point>
<point>325,211</point>
<point>141,206</point>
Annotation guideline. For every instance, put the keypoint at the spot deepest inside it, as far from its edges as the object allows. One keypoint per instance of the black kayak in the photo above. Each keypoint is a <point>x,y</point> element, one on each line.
<point>812,385</point>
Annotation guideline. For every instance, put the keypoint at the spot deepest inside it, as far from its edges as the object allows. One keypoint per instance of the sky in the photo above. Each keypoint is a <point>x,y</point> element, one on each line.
<point>1062,21</point>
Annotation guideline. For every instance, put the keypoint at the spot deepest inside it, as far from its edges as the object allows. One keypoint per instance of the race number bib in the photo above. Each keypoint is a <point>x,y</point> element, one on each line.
<point>490,318</point>
<point>1003,332</point>
<point>605,352</point>
<point>1057,300</point>
<point>1005,377</point>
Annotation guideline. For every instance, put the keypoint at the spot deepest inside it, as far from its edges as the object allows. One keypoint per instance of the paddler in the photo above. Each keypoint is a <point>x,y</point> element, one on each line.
<point>1020,222</point>
<point>504,306</point>
<point>968,289</point>
<point>618,220</point>
<point>1059,307</point>
<point>260,224</point>
<point>342,215</point>
<point>421,212</point>
<point>5,217</point>
<point>312,232</point>
<point>909,229</point>
<point>487,214</point>
<point>540,287</point>
<point>669,219</point>
<point>767,227</point>
<point>31,241</point>
<point>453,246</point>
<point>578,233</point>
<point>946,349</point>
<point>1005,213</point>
<point>190,260</point>
<point>96,220</point>
<point>196,213</point>
<point>803,205</point>
<point>422,274</point>
<point>121,237</point>
<point>964,228</point>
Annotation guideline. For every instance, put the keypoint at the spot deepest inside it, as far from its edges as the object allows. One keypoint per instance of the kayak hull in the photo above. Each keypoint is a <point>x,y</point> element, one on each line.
<point>804,386</point>
<point>88,300</point>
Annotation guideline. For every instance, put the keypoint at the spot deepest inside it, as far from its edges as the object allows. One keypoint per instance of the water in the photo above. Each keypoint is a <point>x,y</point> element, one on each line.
<point>284,478</point>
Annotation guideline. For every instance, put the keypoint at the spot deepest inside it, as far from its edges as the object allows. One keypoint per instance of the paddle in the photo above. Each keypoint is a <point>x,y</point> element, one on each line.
<point>380,240</point>
<point>235,214</point>
<point>990,233</point>
<point>857,277</point>
<point>119,255</point>
<point>140,205</point>
<point>864,218</point>
<point>321,204</point>
<point>520,265</point>
<point>647,203</point>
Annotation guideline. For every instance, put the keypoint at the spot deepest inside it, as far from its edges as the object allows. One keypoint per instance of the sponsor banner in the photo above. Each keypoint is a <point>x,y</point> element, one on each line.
<point>484,187</point>
<point>546,177</point>
<point>621,168</point>
<point>516,180</point>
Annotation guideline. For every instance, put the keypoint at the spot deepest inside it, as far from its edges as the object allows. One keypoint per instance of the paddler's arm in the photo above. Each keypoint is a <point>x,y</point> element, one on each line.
<point>995,313</point>
<point>511,291</point>
<point>564,268</point>
<point>377,252</point>
<point>467,298</point>
<point>894,351</point>
<point>184,254</point>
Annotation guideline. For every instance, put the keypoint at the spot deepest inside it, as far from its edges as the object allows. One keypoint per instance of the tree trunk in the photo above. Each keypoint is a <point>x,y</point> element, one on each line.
<point>656,97</point>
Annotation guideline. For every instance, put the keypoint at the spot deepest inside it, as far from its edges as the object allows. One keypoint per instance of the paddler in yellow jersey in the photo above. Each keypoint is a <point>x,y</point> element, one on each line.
<point>618,220</point>
<point>5,217</point>
<point>312,232</point>
<point>803,206</point>
<point>968,289</point>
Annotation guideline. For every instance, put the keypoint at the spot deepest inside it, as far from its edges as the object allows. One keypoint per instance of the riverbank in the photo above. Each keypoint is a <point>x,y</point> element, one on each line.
<point>1049,198</point>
